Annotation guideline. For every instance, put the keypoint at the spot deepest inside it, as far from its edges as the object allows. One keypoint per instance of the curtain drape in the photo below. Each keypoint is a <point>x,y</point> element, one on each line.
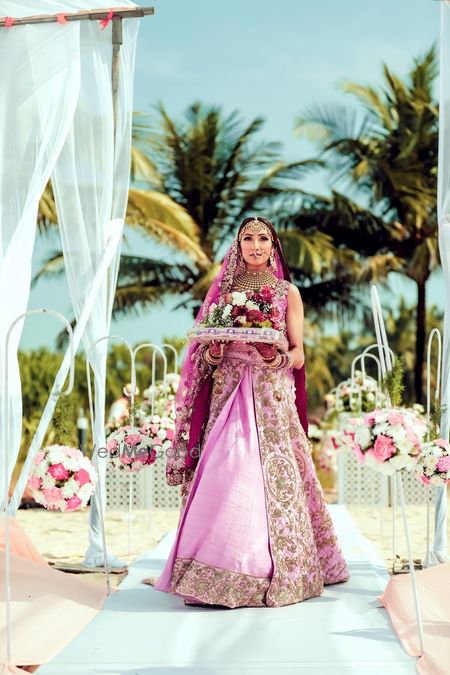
<point>40,88</point>
<point>56,114</point>
<point>90,181</point>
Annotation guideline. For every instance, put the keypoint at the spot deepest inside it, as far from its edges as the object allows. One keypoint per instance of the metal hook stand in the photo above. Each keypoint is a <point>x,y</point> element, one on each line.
<point>155,348</point>
<point>92,418</point>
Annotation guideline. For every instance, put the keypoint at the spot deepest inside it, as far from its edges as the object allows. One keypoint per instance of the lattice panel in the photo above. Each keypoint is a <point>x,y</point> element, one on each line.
<point>149,488</point>
<point>359,484</point>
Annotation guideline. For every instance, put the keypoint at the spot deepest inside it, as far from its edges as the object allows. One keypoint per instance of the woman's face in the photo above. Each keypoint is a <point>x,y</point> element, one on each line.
<point>256,248</point>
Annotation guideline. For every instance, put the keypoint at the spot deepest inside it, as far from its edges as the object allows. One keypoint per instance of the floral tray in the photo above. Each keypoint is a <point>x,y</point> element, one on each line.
<point>235,334</point>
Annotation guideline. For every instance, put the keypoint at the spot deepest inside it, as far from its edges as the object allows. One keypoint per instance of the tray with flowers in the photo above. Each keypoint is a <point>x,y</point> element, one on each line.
<point>242,316</point>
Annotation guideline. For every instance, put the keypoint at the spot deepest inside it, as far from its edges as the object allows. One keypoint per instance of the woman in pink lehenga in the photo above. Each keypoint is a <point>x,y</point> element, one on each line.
<point>254,529</point>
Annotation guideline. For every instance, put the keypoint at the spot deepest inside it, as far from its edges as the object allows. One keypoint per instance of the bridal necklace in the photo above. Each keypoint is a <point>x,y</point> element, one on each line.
<point>253,280</point>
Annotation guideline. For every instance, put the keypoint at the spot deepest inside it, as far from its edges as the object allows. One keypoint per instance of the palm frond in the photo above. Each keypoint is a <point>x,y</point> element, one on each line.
<point>161,217</point>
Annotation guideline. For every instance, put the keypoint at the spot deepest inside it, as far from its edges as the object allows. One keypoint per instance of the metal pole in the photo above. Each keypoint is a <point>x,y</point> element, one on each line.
<point>90,15</point>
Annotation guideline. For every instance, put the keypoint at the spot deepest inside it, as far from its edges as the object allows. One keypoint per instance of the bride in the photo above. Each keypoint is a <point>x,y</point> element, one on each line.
<point>254,529</point>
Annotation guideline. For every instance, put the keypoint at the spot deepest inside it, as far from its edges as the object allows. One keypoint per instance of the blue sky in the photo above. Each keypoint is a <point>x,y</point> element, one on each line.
<point>265,59</point>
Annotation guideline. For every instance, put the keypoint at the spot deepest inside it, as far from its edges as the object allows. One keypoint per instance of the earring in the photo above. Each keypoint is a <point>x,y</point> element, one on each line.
<point>241,266</point>
<point>272,262</point>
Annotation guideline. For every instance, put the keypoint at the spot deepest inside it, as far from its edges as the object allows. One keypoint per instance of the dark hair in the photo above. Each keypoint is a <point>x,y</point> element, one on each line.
<point>276,241</point>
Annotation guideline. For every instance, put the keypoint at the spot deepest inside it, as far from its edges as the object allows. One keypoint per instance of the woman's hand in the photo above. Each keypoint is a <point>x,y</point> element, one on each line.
<point>267,351</point>
<point>216,348</point>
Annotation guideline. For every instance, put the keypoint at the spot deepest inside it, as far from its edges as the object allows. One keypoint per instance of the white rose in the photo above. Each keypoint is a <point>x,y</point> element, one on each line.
<point>239,298</point>
<point>67,491</point>
<point>41,469</point>
<point>436,480</point>
<point>251,305</point>
<point>48,482</point>
<point>398,462</point>
<point>363,436</point>
<point>227,311</point>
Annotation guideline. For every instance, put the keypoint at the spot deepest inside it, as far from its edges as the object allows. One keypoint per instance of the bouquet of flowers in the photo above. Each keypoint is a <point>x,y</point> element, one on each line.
<point>163,393</point>
<point>130,449</point>
<point>361,395</point>
<point>244,309</point>
<point>433,466</point>
<point>387,439</point>
<point>62,478</point>
<point>160,430</point>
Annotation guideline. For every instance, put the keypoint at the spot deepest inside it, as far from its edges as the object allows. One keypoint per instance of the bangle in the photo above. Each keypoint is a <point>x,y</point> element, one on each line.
<point>210,360</point>
<point>276,362</point>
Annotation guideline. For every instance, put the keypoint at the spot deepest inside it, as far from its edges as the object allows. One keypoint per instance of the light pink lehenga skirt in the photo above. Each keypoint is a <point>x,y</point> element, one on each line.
<point>254,529</point>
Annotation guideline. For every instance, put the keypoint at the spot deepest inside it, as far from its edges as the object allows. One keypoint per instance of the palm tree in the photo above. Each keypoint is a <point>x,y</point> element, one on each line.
<point>193,181</point>
<point>216,168</point>
<point>386,154</point>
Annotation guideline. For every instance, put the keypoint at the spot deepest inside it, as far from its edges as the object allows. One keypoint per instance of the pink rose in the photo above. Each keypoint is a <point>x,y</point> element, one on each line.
<point>52,495</point>
<point>151,457</point>
<point>412,437</point>
<point>82,477</point>
<point>112,445</point>
<point>39,457</point>
<point>441,443</point>
<point>125,459</point>
<point>371,417</point>
<point>443,464</point>
<point>58,472</point>
<point>383,448</point>
<point>132,439</point>
<point>424,479</point>
<point>34,482</point>
<point>154,428</point>
<point>170,434</point>
<point>395,417</point>
<point>73,503</point>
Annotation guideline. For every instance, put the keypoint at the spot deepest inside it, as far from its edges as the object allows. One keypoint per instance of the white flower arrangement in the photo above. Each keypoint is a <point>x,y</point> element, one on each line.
<point>387,439</point>
<point>433,466</point>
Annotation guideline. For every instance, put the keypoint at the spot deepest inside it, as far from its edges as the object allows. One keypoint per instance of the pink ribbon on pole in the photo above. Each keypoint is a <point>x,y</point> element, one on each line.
<point>60,18</point>
<point>9,21</point>
<point>105,22</point>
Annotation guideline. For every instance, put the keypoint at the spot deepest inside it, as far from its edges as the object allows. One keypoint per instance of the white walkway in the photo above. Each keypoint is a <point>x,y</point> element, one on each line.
<point>145,632</point>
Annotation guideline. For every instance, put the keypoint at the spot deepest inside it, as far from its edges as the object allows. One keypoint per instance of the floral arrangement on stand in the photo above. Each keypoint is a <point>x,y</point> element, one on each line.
<point>433,465</point>
<point>363,394</point>
<point>163,393</point>
<point>130,449</point>
<point>62,478</point>
<point>387,439</point>
<point>132,446</point>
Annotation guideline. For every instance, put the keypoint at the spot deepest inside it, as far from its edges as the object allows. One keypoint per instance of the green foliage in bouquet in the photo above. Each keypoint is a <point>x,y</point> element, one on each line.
<point>436,413</point>
<point>393,381</point>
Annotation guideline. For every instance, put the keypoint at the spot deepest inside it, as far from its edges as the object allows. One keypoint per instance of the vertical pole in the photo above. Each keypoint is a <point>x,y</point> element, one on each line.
<point>115,68</point>
<point>411,563</point>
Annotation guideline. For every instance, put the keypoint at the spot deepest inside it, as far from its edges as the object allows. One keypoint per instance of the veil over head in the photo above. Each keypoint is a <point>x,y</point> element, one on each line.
<point>192,397</point>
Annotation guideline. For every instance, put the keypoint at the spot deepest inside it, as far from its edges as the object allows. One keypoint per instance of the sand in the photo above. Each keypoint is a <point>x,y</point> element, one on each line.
<point>63,537</point>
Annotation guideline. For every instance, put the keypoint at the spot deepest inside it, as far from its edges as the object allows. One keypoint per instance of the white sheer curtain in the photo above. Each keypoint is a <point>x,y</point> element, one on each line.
<point>91,181</point>
<point>40,84</point>
<point>41,89</point>
<point>440,540</point>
